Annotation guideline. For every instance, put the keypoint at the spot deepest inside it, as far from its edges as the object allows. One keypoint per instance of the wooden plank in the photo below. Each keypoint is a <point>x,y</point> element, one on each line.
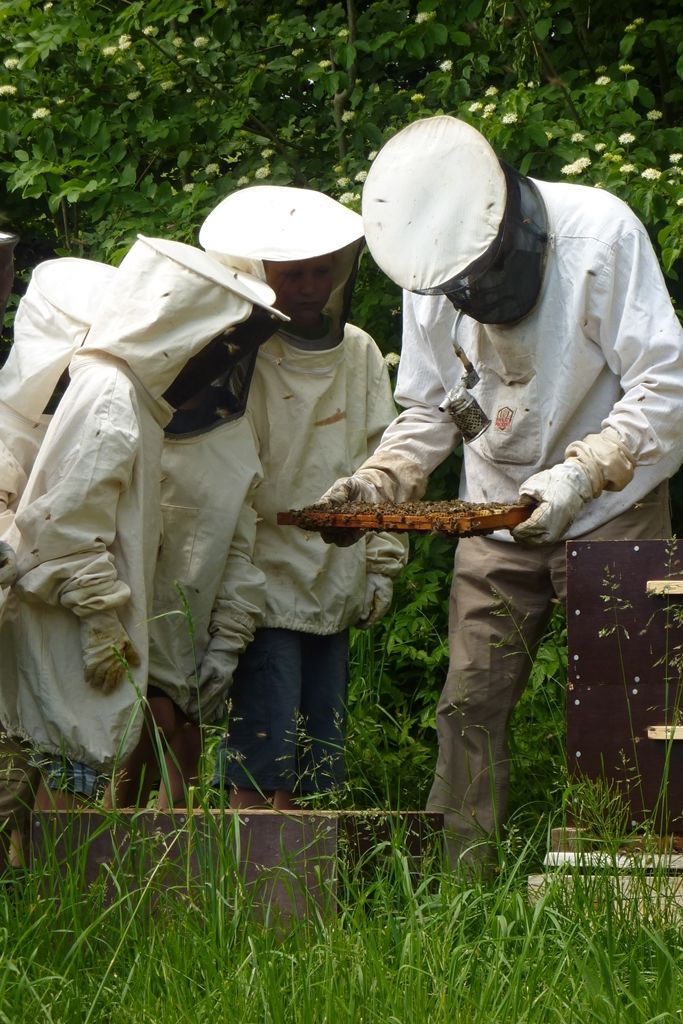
<point>665,732</point>
<point>660,588</point>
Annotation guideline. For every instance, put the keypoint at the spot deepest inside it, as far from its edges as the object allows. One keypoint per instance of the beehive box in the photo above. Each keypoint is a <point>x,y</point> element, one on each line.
<point>625,674</point>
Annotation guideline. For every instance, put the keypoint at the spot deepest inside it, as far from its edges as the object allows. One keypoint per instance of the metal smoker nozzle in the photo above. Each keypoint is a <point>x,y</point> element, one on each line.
<point>463,408</point>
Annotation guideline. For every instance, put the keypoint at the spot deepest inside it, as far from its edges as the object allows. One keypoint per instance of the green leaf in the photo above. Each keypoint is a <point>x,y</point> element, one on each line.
<point>542,27</point>
<point>184,157</point>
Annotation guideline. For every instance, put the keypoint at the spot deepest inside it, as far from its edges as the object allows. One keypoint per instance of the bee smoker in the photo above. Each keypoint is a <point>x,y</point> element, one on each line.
<point>463,408</point>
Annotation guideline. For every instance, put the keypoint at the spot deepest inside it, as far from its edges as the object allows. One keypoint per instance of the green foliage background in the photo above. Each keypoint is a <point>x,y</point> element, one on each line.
<point>122,116</point>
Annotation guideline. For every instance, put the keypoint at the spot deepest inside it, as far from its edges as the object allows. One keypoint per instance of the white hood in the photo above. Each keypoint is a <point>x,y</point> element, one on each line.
<point>51,322</point>
<point>167,301</point>
<point>280,223</point>
<point>433,202</point>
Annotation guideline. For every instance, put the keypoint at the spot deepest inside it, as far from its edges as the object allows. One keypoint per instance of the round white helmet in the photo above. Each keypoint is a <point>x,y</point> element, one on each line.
<point>433,202</point>
<point>278,222</point>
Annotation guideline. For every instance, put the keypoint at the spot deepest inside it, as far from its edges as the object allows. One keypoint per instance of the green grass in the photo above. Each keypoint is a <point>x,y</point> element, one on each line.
<point>400,946</point>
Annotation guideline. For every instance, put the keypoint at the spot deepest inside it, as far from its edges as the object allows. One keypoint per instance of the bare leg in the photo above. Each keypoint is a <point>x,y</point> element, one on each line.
<point>181,761</point>
<point>59,800</point>
<point>248,799</point>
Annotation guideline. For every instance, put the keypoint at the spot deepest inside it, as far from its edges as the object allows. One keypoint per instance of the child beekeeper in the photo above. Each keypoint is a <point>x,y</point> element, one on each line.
<point>320,397</point>
<point>87,527</point>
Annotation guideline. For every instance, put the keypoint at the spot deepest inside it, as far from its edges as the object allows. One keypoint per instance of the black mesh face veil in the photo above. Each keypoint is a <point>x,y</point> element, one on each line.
<point>213,387</point>
<point>503,285</point>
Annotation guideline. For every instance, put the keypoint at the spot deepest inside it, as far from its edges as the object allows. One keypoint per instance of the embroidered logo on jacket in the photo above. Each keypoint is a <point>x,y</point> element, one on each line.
<point>504,417</point>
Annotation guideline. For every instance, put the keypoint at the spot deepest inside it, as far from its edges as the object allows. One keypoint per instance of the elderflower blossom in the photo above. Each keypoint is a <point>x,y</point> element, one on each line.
<point>491,91</point>
<point>509,118</point>
<point>628,168</point>
<point>651,174</point>
<point>262,172</point>
<point>417,97</point>
<point>11,63</point>
<point>343,182</point>
<point>343,33</point>
<point>297,53</point>
<point>177,41</point>
<point>626,68</point>
<point>372,154</point>
<point>361,176</point>
<point>211,170</point>
<point>475,107</point>
<point>201,42</point>
<point>578,167</point>
<point>324,64</point>
<point>391,360</point>
<point>267,153</point>
<point>8,90</point>
<point>188,186</point>
<point>134,94</point>
<point>150,30</point>
<point>346,198</point>
<point>679,201</point>
<point>488,110</point>
<point>578,137</point>
<point>348,115</point>
<point>654,115</point>
<point>109,51</point>
<point>423,16</point>
<point>603,80</point>
<point>167,85</point>
<point>600,147</point>
<point>40,113</point>
<point>626,138</point>
<point>675,158</point>
<point>446,65</point>
<point>244,180</point>
<point>125,42</point>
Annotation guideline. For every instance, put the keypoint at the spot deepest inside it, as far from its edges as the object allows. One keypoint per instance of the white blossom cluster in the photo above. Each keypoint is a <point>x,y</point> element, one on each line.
<point>577,167</point>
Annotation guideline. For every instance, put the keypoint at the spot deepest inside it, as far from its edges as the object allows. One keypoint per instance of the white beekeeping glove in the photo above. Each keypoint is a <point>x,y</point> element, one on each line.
<point>379,591</point>
<point>107,650</point>
<point>8,565</point>
<point>385,476</point>
<point>209,696</point>
<point>599,462</point>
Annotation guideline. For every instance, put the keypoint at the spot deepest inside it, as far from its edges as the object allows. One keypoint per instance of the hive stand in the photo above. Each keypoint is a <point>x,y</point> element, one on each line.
<point>624,725</point>
<point>279,865</point>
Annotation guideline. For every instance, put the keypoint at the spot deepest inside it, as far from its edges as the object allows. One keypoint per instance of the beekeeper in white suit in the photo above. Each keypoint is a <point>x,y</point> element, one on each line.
<point>209,596</point>
<point>51,322</point>
<point>553,295</point>
<point>87,527</point>
<point>319,402</point>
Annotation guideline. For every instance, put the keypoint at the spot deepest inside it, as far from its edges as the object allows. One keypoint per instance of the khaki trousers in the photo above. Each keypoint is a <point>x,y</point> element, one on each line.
<point>500,605</point>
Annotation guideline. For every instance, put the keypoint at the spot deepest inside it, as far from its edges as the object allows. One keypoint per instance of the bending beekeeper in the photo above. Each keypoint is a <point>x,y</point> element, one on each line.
<point>552,293</point>
<point>51,322</point>
<point>319,402</point>
<point>74,644</point>
<point>209,596</point>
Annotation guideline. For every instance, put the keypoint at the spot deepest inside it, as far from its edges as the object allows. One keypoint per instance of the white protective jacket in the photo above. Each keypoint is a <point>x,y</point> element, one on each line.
<point>51,322</point>
<point>602,348</point>
<point>87,527</point>
<point>206,584</point>
<point>316,414</point>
